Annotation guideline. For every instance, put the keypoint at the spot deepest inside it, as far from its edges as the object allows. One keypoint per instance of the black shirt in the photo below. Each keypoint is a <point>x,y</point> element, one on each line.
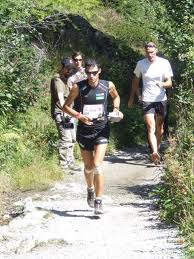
<point>92,102</point>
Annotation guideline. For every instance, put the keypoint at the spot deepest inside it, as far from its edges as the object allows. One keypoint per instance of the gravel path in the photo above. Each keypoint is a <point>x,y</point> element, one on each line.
<point>59,224</point>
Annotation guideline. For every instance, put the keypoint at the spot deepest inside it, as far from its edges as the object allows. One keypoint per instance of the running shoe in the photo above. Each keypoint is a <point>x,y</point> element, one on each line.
<point>98,209</point>
<point>155,158</point>
<point>90,197</point>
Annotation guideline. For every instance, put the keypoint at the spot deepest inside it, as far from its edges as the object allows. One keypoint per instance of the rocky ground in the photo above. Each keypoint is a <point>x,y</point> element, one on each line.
<point>59,224</point>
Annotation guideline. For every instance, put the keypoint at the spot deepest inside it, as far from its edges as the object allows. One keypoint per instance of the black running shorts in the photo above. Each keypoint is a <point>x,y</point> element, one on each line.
<point>88,137</point>
<point>159,108</point>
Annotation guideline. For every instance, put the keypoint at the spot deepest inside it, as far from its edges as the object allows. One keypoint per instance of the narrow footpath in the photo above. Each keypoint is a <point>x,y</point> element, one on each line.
<point>59,224</point>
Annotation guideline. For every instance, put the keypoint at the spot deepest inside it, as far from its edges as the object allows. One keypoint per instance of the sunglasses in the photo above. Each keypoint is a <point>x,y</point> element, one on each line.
<point>77,59</point>
<point>94,73</point>
<point>150,46</point>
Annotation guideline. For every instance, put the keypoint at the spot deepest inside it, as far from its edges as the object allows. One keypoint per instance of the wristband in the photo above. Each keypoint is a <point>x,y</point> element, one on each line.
<point>78,115</point>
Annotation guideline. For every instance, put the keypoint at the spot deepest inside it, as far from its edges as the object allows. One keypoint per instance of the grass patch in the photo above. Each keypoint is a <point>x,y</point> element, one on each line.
<point>176,193</point>
<point>6,183</point>
<point>28,150</point>
<point>39,175</point>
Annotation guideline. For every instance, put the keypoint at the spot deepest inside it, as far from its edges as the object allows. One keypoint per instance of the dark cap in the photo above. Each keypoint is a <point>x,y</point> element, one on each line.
<point>67,62</point>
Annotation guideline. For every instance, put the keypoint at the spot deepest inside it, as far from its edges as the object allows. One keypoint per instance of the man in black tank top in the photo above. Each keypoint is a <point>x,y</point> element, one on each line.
<point>90,98</point>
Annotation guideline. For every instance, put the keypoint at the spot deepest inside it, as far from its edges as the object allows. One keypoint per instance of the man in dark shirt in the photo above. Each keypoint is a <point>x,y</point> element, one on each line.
<point>93,127</point>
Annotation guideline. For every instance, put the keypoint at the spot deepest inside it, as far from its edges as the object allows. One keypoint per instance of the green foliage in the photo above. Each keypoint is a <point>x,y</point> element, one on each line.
<point>28,149</point>
<point>33,177</point>
<point>33,39</point>
<point>176,193</point>
<point>175,33</point>
<point>133,25</point>
<point>82,7</point>
<point>133,127</point>
<point>19,60</point>
<point>40,128</point>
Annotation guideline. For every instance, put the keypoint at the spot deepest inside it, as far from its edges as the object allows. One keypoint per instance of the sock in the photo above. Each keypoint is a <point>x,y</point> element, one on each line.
<point>91,188</point>
<point>98,198</point>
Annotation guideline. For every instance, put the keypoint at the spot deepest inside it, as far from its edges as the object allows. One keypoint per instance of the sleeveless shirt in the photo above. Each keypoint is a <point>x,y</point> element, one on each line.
<point>92,102</point>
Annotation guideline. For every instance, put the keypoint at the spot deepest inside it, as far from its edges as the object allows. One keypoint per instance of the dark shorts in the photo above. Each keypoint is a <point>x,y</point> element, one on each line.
<point>88,137</point>
<point>159,108</point>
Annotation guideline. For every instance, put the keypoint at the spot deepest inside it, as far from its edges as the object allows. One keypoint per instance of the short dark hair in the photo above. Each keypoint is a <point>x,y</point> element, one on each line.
<point>91,63</point>
<point>76,53</point>
<point>150,45</point>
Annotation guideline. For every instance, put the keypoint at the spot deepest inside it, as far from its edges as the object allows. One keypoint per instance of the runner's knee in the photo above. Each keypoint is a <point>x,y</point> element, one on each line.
<point>98,170</point>
<point>88,171</point>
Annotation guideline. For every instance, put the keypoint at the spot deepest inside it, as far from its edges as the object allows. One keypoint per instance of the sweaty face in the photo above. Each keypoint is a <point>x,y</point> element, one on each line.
<point>93,75</point>
<point>151,53</point>
<point>78,61</point>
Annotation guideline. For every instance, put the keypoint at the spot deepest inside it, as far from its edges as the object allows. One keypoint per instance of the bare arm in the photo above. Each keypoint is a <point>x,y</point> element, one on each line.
<point>67,107</point>
<point>167,83</point>
<point>134,91</point>
<point>115,96</point>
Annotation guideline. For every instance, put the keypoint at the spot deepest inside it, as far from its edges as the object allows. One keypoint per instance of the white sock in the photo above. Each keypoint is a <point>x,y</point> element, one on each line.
<point>98,198</point>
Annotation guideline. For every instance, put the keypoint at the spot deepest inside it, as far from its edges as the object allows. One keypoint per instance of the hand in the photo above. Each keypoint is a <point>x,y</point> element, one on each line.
<point>159,84</point>
<point>85,119</point>
<point>130,103</point>
<point>116,110</point>
<point>115,116</point>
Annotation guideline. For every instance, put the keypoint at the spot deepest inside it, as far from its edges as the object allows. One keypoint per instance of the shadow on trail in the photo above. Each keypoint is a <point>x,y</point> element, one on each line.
<point>67,213</point>
<point>141,161</point>
<point>146,207</point>
<point>139,157</point>
<point>144,191</point>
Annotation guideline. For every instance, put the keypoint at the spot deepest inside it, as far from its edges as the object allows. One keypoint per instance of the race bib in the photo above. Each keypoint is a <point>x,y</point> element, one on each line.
<point>93,111</point>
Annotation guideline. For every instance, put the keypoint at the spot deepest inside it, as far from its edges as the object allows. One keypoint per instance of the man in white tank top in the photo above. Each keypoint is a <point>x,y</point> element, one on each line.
<point>156,74</point>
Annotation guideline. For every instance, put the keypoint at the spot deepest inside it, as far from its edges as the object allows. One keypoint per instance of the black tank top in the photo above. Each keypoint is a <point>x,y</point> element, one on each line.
<point>94,99</point>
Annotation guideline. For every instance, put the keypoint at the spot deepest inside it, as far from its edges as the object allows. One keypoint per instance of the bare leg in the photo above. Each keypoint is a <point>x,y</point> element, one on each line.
<point>159,129</point>
<point>93,160</point>
<point>88,160</point>
<point>100,151</point>
<point>151,128</point>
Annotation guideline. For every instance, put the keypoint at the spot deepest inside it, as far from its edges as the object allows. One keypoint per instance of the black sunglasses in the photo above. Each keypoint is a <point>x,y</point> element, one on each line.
<point>150,46</point>
<point>94,73</point>
<point>77,59</point>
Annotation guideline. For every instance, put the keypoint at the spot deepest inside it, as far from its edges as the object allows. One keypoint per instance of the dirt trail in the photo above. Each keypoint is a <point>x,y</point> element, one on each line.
<point>59,224</point>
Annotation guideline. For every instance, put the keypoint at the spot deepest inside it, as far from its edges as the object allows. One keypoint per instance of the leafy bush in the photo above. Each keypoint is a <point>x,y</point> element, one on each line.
<point>175,32</point>
<point>27,140</point>
<point>28,148</point>
<point>20,61</point>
